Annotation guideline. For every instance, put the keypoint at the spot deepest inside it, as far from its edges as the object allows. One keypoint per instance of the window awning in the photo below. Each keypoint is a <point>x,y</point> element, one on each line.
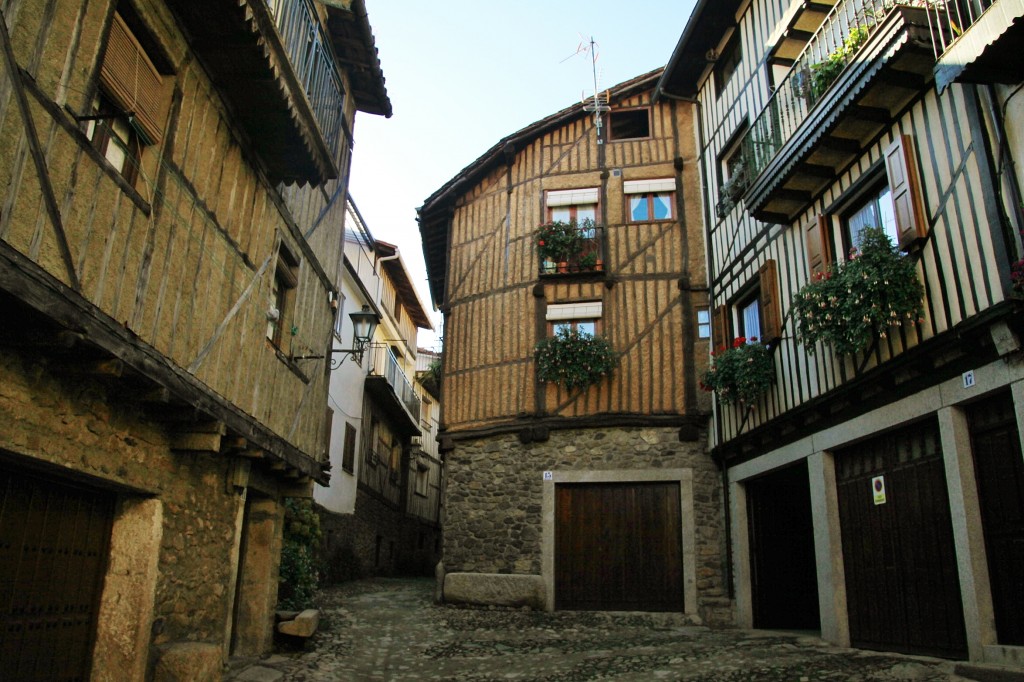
<point>572,197</point>
<point>588,310</point>
<point>645,186</point>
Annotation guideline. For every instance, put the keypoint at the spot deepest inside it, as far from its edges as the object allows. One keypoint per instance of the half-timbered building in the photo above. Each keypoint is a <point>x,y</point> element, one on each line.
<point>169,245</point>
<point>598,496</point>
<point>875,494</point>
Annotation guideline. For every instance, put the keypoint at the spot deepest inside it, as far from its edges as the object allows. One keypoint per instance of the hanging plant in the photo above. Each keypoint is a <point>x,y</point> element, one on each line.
<point>740,374</point>
<point>559,241</point>
<point>875,290</point>
<point>574,359</point>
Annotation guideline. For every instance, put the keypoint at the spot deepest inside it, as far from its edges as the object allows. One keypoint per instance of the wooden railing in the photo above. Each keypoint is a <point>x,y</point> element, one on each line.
<point>310,54</point>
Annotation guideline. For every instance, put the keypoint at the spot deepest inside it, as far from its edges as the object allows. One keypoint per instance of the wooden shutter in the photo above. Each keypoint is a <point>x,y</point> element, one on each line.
<point>901,167</point>
<point>771,313</point>
<point>720,327</point>
<point>131,80</point>
<point>819,246</point>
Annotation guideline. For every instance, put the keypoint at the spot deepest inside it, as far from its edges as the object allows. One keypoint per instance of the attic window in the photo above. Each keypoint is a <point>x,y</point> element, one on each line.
<point>629,124</point>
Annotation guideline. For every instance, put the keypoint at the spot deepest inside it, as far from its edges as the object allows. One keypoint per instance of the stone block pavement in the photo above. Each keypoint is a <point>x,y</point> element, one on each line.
<point>389,629</point>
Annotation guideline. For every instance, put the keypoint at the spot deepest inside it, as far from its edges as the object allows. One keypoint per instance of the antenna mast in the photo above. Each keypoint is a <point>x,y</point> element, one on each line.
<point>598,103</point>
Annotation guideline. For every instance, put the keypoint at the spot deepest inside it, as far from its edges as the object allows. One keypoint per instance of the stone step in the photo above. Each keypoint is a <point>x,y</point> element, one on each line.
<point>303,625</point>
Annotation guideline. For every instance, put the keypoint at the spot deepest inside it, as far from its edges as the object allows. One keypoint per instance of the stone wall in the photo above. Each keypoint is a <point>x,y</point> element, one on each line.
<point>86,430</point>
<point>493,506</point>
<point>407,545</point>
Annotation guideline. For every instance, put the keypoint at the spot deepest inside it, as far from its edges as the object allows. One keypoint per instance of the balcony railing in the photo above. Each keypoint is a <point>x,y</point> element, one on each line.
<point>384,364</point>
<point>844,31</point>
<point>585,253</point>
<point>310,54</point>
<point>959,14</point>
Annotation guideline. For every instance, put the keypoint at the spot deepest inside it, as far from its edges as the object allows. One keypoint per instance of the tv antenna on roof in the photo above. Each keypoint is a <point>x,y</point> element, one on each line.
<point>599,102</point>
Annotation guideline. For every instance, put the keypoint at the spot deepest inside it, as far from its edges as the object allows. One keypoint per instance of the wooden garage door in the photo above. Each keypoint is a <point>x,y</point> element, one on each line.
<point>1000,474</point>
<point>54,542</point>
<point>902,585</point>
<point>618,547</point>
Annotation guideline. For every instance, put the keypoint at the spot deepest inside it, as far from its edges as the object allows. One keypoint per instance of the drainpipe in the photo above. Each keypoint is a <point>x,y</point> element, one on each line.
<point>718,459</point>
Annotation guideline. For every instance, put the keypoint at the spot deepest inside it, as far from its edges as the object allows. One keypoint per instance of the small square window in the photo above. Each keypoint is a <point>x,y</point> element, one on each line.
<point>703,323</point>
<point>630,124</point>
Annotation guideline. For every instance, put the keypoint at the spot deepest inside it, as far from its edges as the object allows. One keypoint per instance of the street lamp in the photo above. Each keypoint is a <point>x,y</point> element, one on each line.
<point>364,322</point>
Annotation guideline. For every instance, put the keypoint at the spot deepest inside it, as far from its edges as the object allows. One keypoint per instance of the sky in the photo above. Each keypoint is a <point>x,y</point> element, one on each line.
<point>462,74</point>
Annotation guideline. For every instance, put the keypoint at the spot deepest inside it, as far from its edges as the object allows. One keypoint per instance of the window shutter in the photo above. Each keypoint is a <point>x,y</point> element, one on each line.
<point>819,246</point>
<point>132,81</point>
<point>771,314</point>
<point>720,328</point>
<point>900,166</point>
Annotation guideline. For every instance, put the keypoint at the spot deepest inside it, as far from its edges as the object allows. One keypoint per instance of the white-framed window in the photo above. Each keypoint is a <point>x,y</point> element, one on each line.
<point>584,316</point>
<point>650,200</point>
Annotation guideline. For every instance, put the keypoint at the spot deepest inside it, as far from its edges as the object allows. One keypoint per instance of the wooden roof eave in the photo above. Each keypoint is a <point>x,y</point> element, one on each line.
<point>703,31</point>
<point>355,47</point>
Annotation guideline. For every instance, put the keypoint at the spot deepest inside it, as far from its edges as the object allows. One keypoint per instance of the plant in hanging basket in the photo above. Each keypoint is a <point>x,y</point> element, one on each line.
<point>740,374</point>
<point>574,359</point>
<point>558,241</point>
<point>875,290</point>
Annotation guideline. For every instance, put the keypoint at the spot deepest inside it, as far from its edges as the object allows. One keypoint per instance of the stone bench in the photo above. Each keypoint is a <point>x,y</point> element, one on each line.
<point>301,624</point>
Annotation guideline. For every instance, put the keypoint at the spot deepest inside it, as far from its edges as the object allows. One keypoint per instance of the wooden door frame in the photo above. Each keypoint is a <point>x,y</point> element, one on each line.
<point>687,521</point>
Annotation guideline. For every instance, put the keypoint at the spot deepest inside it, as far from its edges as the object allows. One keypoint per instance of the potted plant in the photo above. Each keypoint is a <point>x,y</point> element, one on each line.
<point>573,358</point>
<point>740,374</point>
<point>824,73</point>
<point>875,290</point>
<point>588,262</point>
<point>558,241</point>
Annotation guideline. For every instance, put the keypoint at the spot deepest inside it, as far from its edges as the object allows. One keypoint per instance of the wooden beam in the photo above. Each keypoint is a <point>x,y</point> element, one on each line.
<point>841,144</point>
<point>188,441</point>
<point>800,35</point>
<point>786,194</point>
<point>772,217</point>
<point>110,367</point>
<point>902,79</point>
<point>816,170</point>
<point>38,157</point>
<point>872,114</point>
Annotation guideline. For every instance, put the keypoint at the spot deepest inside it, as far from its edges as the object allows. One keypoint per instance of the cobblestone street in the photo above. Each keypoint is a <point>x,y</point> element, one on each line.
<point>390,630</point>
